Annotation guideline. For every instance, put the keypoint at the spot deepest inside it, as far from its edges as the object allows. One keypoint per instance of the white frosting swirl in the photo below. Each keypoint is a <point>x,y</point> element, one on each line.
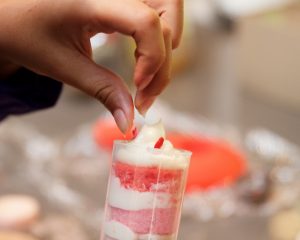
<point>141,151</point>
<point>149,135</point>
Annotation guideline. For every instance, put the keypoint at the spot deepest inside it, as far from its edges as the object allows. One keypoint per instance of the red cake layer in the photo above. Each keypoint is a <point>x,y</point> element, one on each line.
<point>144,179</point>
<point>158,221</point>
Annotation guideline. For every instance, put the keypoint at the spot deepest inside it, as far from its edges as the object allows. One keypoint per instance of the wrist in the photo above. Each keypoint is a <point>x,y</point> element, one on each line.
<point>7,69</point>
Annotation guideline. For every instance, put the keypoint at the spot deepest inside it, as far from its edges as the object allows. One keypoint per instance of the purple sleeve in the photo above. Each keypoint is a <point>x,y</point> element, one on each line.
<point>25,92</point>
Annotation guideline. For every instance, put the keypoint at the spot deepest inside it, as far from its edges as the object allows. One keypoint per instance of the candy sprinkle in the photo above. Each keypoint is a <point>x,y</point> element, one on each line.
<point>134,133</point>
<point>159,143</point>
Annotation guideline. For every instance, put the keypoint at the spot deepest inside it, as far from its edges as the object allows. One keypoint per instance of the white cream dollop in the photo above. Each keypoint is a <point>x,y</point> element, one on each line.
<point>141,152</point>
<point>149,135</point>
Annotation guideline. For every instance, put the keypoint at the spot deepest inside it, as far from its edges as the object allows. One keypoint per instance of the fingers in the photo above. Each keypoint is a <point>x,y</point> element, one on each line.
<point>82,73</point>
<point>156,26</point>
<point>148,60</point>
<point>145,97</point>
<point>134,18</point>
<point>173,15</point>
<point>172,12</point>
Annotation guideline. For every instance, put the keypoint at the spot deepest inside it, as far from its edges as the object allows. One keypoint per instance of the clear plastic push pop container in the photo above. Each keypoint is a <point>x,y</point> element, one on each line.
<point>146,188</point>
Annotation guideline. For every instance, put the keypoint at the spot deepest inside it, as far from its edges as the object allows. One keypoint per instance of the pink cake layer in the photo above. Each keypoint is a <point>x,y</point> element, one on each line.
<point>145,179</point>
<point>158,221</point>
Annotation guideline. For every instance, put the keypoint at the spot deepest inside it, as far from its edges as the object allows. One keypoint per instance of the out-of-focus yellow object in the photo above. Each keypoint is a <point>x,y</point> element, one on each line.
<point>285,225</point>
<point>183,56</point>
<point>15,236</point>
<point>18,211</point>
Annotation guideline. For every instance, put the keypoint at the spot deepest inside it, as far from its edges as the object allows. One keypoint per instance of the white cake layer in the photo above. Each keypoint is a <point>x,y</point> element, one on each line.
<point>128,199</point>
<point>119,231</point>
<point>156,237</point>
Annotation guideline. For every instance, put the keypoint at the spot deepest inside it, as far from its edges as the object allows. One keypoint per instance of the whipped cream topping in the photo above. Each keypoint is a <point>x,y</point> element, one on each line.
<point>141,152</point>
<point>149,134</point>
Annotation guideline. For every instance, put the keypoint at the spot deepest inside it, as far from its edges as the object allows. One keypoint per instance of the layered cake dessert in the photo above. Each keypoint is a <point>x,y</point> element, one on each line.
<point>146,187</point>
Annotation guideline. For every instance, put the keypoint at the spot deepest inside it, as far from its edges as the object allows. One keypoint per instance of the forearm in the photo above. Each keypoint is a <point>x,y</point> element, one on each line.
<point>7,68</point>
<point>21,90</point>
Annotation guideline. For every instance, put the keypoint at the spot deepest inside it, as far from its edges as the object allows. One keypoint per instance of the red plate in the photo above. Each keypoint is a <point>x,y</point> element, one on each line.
<point>214,162</point>
<point>106,132</point>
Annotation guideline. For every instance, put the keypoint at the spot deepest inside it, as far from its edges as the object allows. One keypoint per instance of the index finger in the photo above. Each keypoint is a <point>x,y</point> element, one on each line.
<point>147,96</point>
<point>136,19</point>
<point>172,12</point>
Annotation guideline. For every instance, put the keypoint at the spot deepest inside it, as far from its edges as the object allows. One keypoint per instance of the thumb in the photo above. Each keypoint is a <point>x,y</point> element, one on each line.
<point>101,83</point>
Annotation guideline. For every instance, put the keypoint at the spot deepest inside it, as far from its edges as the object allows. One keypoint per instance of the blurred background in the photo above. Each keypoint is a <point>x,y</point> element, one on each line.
<point>234,101</point>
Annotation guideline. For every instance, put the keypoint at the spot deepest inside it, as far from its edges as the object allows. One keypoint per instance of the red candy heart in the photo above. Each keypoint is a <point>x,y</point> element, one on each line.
<point>159,142</point>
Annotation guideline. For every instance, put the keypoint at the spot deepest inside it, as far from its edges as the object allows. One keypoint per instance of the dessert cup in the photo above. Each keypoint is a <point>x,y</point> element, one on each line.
<point>145,192</point>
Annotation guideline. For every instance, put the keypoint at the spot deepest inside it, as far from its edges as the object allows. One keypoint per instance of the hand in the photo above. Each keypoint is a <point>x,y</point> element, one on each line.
<point>170,13</point>
<point>52,38</point>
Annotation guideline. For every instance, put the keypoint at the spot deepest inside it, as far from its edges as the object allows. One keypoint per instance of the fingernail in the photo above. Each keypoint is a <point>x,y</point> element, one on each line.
<point>146,105</point>
<point>121,120</point>
<point>139,99</point>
